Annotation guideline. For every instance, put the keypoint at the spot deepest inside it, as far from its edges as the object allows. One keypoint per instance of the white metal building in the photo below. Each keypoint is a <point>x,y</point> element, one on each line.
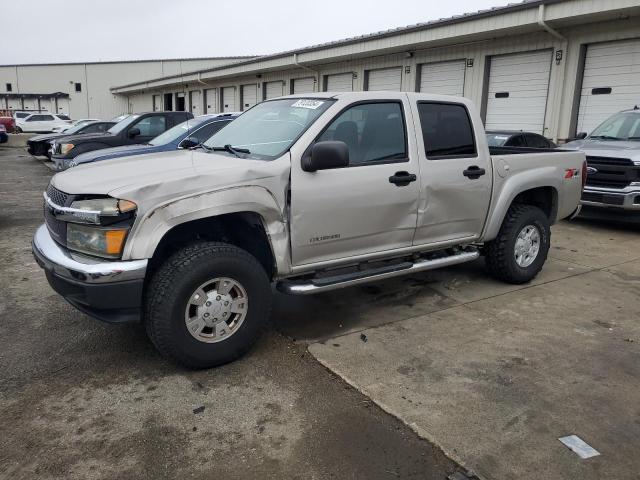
<point>549,66</point>
<point>82,90</point>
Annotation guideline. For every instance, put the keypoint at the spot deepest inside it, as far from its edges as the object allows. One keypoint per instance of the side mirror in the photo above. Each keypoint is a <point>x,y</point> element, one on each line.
<point>326,155</point>
<point>189,142</point>
<point>134,132</point>
<point>581,135</point>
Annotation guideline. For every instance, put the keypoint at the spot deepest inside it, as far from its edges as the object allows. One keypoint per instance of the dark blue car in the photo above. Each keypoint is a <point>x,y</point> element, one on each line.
<point>184,135</point>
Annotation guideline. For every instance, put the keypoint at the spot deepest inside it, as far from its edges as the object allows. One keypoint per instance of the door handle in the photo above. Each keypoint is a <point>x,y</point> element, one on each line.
<point>402,179</point>
<point>474,172</point>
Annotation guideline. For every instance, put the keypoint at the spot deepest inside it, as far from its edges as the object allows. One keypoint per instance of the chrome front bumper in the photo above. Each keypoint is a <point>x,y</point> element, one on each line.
<point>624,199</point>
<point>56,259</point>
<point>107,290</point>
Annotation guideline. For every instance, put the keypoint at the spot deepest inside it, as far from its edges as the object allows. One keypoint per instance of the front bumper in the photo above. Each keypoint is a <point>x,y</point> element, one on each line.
<point>110,291</point>
<point>627,199</point>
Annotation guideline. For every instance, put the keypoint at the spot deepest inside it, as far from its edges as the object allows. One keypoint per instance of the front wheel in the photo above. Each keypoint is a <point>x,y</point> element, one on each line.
<point>207,304</point>
<point>521,247</point>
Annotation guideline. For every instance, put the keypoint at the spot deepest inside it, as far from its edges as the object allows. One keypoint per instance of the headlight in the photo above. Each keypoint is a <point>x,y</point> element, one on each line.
<point>103,242</point>
<point>66,148</point>
<point>101,210</point>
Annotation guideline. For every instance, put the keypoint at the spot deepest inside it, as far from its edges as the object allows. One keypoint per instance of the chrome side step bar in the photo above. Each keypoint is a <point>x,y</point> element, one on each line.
<point>319,285</point>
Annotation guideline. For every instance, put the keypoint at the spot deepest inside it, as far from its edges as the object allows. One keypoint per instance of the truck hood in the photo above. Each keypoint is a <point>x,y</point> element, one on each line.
<point>121,151</point>
<point>152,178</point>
<point>47,136</point>
<point>85,137</point>
<point>607,148</point>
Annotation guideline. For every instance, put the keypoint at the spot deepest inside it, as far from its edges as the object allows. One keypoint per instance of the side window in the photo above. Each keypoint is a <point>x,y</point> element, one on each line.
<point>537,141</point>
<point>151,126</point>
<point>515,141</point>
<point>203,134</point>
<point>374,132</point>
<point>446,130</point>
<point>47,118</point>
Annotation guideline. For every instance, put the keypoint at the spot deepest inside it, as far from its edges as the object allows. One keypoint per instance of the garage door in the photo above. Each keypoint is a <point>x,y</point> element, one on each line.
<point>273,89</point>
<point>249,96</point>
<point>341,82</point>
<point>517,95</point>
<point>211,100</point>
<point>304,85</point>
<point>385,79</point>
<point>157,103</point>
<point>443,78</point>
<point>229,99</point>
<point>611,82</point>
<point>195,102</point>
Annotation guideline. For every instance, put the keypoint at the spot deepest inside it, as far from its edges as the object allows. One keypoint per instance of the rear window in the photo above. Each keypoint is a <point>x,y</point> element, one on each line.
<point>63,117</point>
<point>446,130</point>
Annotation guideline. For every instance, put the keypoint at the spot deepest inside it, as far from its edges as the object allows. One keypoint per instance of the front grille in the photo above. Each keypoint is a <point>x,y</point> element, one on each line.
<point>612,172</point>
<point>603,198</point>
<point>56,196</point>
<point>57,228</point>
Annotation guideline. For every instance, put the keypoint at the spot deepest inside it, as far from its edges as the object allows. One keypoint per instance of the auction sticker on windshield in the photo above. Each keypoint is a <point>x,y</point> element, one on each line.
<point>312,104</point>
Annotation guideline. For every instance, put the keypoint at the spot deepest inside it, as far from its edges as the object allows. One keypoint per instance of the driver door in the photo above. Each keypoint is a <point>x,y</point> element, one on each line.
<point>150,127</point>
<point>364,208</point>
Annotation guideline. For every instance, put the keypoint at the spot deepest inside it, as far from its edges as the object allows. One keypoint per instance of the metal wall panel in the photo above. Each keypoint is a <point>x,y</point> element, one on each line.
<point>611,82</point>
<point>443,78</point>
<point>517,91</point>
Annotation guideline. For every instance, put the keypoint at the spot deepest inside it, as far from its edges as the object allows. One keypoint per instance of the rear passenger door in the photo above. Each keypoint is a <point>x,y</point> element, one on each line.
<point>455,187</point>
<point>369,206</point>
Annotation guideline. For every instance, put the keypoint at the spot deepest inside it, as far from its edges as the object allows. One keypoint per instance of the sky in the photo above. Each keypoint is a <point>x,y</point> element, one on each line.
<point>44,31</point>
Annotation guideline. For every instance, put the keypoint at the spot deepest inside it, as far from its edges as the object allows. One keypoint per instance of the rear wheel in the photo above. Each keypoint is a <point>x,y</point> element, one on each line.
<point>521,247</point>
<point>207,304</point>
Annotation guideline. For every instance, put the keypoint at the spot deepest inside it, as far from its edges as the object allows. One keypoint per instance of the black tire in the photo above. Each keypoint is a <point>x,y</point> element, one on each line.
<point>500,253</point>
<point>173,283</point>
<point>18,130</point>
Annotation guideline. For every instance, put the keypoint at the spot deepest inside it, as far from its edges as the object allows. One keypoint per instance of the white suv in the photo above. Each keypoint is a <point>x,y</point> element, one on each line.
<point>42,122</point>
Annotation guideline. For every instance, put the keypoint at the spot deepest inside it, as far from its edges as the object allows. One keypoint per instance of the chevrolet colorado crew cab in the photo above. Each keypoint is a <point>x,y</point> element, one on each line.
<point>612,190</point>
<point>307,193</point>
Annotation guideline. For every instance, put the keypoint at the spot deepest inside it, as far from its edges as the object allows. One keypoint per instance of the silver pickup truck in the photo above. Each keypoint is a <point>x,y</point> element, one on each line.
<point>307,193</point>
<point>612,190</point>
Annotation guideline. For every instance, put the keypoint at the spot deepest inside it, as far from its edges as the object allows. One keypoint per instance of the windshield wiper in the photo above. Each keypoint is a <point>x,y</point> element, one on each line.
<point>605,137</point>
<point>233,150</point>
<point>202,145</point>
<point>633,138</point>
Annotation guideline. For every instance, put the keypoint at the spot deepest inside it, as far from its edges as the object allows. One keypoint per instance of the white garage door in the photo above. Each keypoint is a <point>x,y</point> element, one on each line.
<point>443,78</point>
<point>385,79</point>
<point>518,87</point>
<point>195,102</point>
<point>611,82</point>
<point>15,104</point>
<point>249,96</point>
<point>229,99</point>
<point>157,103</point>
<point>304,85</point>
<point>273,89</point>
<point>211,99</point>
<point>341,82</point>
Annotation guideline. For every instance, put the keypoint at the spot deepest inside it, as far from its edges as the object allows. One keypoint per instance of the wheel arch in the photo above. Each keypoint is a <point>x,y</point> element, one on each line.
<point>544,197</point>
<point>248,217</point>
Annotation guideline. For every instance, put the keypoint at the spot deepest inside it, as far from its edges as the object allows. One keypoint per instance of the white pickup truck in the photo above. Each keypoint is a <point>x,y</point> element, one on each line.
<point>310,193</point>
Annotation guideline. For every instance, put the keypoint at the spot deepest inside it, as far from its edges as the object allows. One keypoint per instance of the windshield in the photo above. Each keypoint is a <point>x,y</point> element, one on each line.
<point>120,126</point>
<point>496,140</point>
<point>76,128</point>
<point>270,128</point>
<point>119,118</point>
<point>174,133</point>
<point>621,126</point>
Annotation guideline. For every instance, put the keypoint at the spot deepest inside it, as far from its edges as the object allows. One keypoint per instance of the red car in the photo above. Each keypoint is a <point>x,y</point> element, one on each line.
<point>9,123</point>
